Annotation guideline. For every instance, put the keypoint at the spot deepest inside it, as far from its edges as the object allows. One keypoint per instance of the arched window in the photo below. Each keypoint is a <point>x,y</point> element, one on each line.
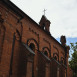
<point>62,60</point>
<point>43,26</point>
<point>32,47</point>
<point>45,52</point>
<point>55,56</point>
<point>32,43</point>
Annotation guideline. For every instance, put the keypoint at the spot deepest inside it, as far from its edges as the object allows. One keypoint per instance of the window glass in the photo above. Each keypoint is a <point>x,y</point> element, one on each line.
<point>32,46</point>
<point>46,53</point>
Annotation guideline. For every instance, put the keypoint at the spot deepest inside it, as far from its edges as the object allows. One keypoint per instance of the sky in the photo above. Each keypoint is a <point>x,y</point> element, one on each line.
<point>68,41</point>
<point>61,13</point>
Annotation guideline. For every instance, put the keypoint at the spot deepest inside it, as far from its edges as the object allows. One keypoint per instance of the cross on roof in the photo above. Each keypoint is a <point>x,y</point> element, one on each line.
<point>44,11</point>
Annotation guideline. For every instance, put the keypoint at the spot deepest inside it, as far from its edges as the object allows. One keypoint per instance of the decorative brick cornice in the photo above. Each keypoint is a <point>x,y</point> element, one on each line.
<point>48,43</point>
<point>56,48</point>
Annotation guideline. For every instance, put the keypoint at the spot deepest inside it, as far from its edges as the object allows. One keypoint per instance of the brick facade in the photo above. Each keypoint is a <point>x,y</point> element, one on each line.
<point>28,49</point>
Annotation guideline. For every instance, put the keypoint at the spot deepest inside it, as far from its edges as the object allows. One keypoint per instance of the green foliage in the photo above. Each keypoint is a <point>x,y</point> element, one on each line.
<point>73,61</point>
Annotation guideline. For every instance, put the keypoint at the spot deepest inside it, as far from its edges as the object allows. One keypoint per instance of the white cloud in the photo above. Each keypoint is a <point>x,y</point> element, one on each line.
<point>61,13</point>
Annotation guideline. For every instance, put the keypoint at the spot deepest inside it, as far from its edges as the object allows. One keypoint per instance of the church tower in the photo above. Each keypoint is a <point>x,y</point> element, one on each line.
<point>45,23</point>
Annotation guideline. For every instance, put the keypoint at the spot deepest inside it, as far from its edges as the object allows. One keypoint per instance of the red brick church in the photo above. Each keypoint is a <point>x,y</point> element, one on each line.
<point>27,49</point>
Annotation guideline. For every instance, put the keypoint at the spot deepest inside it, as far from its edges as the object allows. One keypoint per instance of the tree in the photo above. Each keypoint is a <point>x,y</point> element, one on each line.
<point>73,61</point>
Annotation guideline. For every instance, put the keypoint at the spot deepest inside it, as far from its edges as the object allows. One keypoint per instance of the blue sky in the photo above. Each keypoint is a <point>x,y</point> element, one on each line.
<point>68,41</point>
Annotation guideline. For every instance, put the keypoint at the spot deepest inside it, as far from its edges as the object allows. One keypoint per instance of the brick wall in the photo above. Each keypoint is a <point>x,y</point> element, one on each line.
<point>27,32</point>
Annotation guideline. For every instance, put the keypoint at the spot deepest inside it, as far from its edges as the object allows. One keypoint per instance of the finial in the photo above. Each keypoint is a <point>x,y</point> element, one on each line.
<point>63,40</point>
<point>44,11</point>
